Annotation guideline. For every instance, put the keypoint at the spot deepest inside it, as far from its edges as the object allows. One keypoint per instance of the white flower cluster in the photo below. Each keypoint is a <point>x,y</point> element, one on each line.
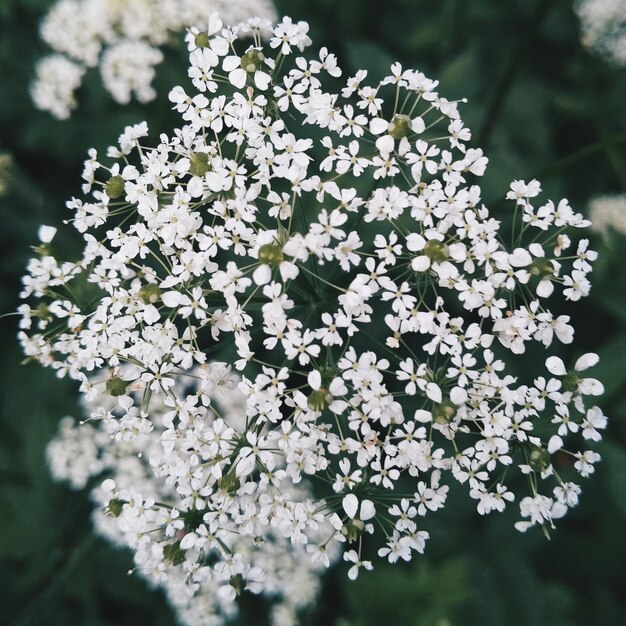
<point>122,37</point>
<point>155,513</point>
<point>608,212</point>
<point>330,245</point>
<point>604,27</point>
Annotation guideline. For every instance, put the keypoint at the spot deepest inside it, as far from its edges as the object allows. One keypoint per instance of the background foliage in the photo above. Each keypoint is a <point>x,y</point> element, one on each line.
<point>540,106</point>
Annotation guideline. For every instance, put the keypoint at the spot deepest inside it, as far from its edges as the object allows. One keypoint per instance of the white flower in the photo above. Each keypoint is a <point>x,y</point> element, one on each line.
<point>603,25</point>
<point>46,233</point>
<point>352,557</point>
<point>124,40</point>
<point>360,318</point>
<point>584,386</point>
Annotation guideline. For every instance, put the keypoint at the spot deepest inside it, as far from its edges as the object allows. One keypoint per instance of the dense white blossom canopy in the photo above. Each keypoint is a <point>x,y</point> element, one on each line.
<point>124,39</point>
<point>298,309</point>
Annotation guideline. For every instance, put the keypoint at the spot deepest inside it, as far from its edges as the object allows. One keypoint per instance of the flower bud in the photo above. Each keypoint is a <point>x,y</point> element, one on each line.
<point>229,482</point>
<point>116,386</point>
<point>400,126</point>
<point>539,458</point>
<point>115,507</point>
<point>353,529</point>
<point>238,582</point>
<point>252,60</point>
<point>436,251</point>
<point>42,311</point>
<point>172,553</point>
<point>444,412</point>
<point>318,399</point>
<point>150,293</point>
<point>199,164</point>
<point>201,40</point>
<point>541,267</point>
<point>271,254</point>
<point>115,187</point>
<point>571,381</point>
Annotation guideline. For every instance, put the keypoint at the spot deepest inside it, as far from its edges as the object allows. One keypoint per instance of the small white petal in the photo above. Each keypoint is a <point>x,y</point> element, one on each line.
<point>188,541</point>
<point>385,144</point>
<point>238,78</point>
<point>379,126</point>
<point>288,271</point>
<point>195,187</point>
<point>368,510</point>
<point>586,360</point>
<point>350,505</point>
<point>545,288</point>
<point>231,63</point>
<point>555,443</point>
<point>556,366</point>
<point>151,314</point>
<point>434,392</point>
<point>590,387</point>
<point>314,379</point>
<point>171,298</point>
<point>262,80</point>
<point>415,242</point>
<point>46,233</point>
<point>520,258</point>
<point>420,263</point>
<point>458,395</point>
<point>337,387</point>
<point>262,275</point>
<point>108,484</point>
<point>418,125</point>
<point>423,416</point>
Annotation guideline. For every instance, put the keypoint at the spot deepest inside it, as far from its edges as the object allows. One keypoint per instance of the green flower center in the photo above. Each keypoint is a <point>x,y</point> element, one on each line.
<point>238,582</point>
<point>444,412</point>
<point>201,40</point>
<point>436,251</point>
<point>539,458</point>
<point>173,554</point>
<point>271,254</point>
<point>318,399</point>
<point>400,126</point>
<point>353,529</point>
<point>229,482</point>
<point>571,380</point>
<point>150,293</point>
<point>115,187</point>
<point>541,267</point>
<point>116,386</point>
<point>115,506</point>
<point>252,60</point>
<point>199,164</point>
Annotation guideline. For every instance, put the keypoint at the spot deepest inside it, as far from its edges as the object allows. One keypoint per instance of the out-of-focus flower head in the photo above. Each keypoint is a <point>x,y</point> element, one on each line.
<point>124,39</point>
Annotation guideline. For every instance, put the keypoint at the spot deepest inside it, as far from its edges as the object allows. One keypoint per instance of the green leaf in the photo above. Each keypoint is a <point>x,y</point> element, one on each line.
<point>615,460</point>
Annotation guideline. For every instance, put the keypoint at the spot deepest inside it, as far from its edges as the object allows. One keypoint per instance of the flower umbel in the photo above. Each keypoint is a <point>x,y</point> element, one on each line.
<point>124,39</point>
<point>357,284</point>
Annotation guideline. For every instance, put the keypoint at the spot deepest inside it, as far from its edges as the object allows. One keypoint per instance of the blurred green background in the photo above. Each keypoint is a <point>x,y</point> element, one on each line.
<point>540,105</point>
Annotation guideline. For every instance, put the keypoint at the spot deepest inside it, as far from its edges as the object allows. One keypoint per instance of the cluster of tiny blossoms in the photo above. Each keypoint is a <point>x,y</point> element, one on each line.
<point>157,511</point>
<point>332,248</point>
<point>603,25</point>
<point>124,39</point>
<point>608,213</point>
